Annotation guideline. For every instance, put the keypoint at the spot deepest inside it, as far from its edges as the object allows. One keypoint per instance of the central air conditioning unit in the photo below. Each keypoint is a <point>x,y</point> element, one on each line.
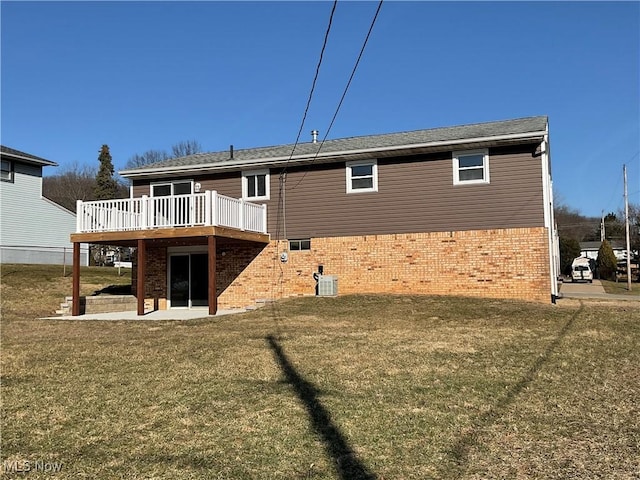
<point>327,285</point>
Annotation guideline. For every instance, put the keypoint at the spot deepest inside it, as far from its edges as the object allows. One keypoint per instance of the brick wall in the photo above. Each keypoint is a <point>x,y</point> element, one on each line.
<point>506,263</point>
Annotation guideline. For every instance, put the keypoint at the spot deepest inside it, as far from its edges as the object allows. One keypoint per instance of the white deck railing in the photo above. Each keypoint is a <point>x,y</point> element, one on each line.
<point>197,209</point>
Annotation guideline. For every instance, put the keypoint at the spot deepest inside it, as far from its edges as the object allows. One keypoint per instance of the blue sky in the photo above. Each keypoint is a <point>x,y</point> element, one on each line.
<point>146,75</point>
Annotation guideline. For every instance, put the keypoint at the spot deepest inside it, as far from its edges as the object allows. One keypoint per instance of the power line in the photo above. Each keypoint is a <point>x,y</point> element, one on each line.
<point>282,179</point>
<point>313,85</point>
<point>344,93</point>
<point>282,183</point>
<point>618,184</point>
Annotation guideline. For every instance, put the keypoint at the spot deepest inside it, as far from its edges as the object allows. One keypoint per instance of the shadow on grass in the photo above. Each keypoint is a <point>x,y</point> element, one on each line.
<point>114,290</point>
<point>347,464</point>
<point>461,449</point>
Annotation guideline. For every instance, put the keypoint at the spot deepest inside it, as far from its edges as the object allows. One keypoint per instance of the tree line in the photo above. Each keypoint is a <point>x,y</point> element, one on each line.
<point>574,228</point>
<point>98,181</point>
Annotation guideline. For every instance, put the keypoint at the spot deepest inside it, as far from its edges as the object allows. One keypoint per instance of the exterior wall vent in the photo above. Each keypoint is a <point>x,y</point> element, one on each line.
<point>327,286</point>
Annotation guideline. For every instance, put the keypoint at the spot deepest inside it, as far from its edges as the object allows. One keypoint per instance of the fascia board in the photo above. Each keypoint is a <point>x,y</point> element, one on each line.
<point>31,161</point>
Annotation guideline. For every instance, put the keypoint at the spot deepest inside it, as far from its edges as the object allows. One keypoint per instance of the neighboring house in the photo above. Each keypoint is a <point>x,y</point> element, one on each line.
<point>33,229</point>
<point>464,210</point>
<point>590,249</point>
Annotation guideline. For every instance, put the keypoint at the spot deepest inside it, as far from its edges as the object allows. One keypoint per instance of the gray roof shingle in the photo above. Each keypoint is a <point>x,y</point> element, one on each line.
<point>370,142</point>
<point>26,157</point>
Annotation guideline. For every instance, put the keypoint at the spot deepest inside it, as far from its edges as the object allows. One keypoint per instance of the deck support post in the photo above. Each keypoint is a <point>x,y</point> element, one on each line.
<point>142,260</point>
<point>75,305</point>
<point>213,297</point>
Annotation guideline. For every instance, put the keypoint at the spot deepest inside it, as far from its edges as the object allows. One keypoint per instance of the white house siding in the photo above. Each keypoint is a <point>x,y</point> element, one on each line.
<point>32,228</point>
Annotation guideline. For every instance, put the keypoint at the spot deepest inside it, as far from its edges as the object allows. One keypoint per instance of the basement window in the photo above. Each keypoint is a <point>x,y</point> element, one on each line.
<point>362,176</point>
<point>298,245</point>
<point>471,166</point>
<point>255,185</point>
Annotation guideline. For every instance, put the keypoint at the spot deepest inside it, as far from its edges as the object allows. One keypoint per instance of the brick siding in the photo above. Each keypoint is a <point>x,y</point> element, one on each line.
<point>507,263</point>
<point>503,263</point>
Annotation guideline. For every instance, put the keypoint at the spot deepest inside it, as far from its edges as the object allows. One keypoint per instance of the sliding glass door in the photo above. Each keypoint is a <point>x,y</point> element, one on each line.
<point>189,280</point>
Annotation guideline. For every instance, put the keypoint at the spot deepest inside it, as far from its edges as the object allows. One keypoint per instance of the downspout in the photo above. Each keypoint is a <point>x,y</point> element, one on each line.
<point>549,219</point>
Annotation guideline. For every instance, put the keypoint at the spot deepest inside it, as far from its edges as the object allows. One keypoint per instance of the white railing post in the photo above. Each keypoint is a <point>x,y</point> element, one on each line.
<point>79,216</point>
<point>214,208</point>
<point>207,207</point>
<point>192,209</point>
<point>241,214</point>
<point>264,218</point>
<point>144,221</point>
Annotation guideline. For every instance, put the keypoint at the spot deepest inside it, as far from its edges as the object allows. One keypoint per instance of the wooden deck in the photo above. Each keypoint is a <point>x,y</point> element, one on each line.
<point>130,237</point>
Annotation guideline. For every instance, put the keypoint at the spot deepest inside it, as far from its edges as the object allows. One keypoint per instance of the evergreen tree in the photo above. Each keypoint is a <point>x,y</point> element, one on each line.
<point>106,186</point>
<point>606,261</point>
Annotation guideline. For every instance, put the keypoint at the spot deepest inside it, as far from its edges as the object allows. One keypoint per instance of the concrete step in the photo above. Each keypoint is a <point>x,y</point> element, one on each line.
<point>101,304</point>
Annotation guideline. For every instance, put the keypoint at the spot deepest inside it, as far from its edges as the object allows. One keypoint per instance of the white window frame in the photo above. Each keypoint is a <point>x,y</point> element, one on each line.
<point>296,245</point>
<point>350,177</point>
<point>171,183</point>
<point>485,167</point>
<point>245,184</point>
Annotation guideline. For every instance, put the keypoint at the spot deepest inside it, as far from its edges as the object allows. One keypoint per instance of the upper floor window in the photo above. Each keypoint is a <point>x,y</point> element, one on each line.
<point>7,171</point>
<point>471,166</point>
<point>362,176</point>
<point>255,185</point>
<point>171,188</point>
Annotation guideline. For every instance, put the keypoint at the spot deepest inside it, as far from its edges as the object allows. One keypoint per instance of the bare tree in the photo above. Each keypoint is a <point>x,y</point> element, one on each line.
<point>147,158</point>
<point>634,227</point>
<point>572,224</point>
<point>185,148</point>
<point>76,182</point>
<point>180,149</point>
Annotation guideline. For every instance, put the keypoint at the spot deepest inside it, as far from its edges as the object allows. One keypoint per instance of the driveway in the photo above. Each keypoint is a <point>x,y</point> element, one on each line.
<point>591,290</point>
<point>582,288</point>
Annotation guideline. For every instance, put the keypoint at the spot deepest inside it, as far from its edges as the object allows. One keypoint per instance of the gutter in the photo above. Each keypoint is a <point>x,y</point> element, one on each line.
<point>31,161</point>
<point>272,162</point>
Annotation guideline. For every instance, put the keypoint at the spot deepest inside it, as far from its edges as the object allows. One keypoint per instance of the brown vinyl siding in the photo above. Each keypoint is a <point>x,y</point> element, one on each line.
<point>415,194</point>
<point>225,183</point>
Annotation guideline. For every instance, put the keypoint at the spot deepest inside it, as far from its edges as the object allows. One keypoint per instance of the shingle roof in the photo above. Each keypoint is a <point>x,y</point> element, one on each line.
<point>26,157</point>
<point>615,244</point>
<point>521,126</point>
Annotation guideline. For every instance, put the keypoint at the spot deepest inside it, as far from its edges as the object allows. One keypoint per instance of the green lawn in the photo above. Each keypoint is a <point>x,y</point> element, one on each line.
<point>387,387</point>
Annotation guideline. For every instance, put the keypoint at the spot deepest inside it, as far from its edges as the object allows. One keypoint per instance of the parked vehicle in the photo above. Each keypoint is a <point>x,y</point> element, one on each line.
<point>581,270</point>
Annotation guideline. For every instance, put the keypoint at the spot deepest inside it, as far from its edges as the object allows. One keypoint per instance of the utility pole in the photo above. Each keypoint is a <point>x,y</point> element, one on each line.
<point>602,235</point>
<point>626,227</point>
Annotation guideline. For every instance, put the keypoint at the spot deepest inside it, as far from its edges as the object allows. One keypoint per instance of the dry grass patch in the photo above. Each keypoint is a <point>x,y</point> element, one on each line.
<point>620,287</point>
<point>31,291</point>
<point>348,387</point>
